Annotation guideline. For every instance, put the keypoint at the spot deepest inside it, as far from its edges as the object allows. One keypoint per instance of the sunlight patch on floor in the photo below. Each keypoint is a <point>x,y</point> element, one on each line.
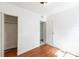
<point>63,54</point>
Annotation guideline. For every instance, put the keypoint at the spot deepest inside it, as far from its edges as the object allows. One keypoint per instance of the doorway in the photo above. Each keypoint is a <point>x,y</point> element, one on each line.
<point>10,35</point>
<point>42,32</point>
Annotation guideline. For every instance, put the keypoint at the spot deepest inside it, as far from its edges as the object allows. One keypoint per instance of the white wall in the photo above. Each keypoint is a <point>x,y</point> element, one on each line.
<point>10,36</point>
<point>28,27</point>
<point>0,37</point>
<point>63,30</point>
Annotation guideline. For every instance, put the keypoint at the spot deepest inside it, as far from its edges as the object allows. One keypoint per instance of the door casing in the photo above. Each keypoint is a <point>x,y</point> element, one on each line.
<point>2,33</point>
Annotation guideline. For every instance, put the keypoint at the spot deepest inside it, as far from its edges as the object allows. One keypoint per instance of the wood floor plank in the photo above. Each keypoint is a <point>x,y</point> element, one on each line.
<point>42,51</point>
<point>10,53</point>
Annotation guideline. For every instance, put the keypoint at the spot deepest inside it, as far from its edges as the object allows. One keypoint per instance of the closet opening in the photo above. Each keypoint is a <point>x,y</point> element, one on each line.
<point>42,32</point>
<point>10,35</point>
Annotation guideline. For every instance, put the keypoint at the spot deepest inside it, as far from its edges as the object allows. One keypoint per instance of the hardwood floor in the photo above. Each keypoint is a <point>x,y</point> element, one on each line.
<point>42,51</point>
<point>10,53</point>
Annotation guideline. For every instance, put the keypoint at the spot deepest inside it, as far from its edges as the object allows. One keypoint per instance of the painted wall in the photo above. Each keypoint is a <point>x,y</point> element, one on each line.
<point>0,36</point>
<point>63,30</point>
<point>11,31</point>
<point>28,27</point>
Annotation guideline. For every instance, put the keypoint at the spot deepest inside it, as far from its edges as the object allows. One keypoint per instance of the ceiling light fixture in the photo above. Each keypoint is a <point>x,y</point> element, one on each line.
<point>43,3</point>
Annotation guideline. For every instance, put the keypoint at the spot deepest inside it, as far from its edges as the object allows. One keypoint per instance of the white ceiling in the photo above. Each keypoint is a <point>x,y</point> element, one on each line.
<point>52,7</point>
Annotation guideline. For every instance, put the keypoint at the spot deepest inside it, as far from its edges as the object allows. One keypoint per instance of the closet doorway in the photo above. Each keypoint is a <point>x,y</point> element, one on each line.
<point>10,35</point>
<point>42,32</point>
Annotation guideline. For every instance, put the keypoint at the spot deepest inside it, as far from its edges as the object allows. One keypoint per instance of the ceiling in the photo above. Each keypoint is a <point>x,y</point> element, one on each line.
<point>51,7</point>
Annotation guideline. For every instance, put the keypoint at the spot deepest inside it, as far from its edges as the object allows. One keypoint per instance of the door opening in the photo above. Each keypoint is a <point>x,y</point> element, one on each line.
<point>10,35</point>
<point>42,32</point>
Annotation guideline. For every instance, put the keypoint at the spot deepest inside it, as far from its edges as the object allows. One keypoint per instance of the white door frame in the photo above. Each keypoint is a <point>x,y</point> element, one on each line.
<point>2,32</point>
